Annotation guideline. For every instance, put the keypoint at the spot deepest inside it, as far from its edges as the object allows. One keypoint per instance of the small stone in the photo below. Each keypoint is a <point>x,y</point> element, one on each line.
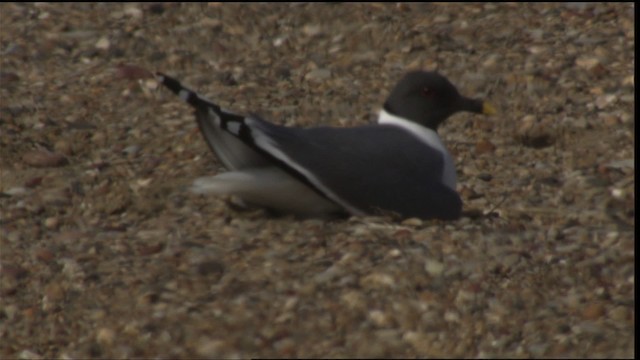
<point>13,271</point>
<point>56,197</point>
<point>329,274</point>
<point>434,267</point>
<point>378,280</point>
<point>280,40</point>
<point>379,318</point>
<point>592,65</point>
<point>534,133</point>
<point>29,355</point>
<point>51,222</point>
<point>214,24</point>
<point>620,314</point>
<point>286,347</point>
<point>44,255</point>
<point>605,101</point>
<point>33,182</point>
<point>318,75</point>
<point>15,191</point>
<point>132,150</point>
<point>133,11</point>
<point>617,193</point>
<point>150,249</point>
<point>442,18</point>
<point>451,316</point>
<point>105,336</point>
<point>587,62</point>
<point>537,49</point>
<point>354,300</point>
<point>210,348</point>
<point>484,146</point>
<point>538,350</point>
<point>491,61</point>
<point>103,43</point>
<point>63,147</point>
<point>412,222</point>
<point>7,79</point>
<point>312,30</point>
<point>593,311</point>
<point>420,342</point>
<point>44,158</point>
<point>132,72</point>
<point>210,267</point>
<point>510,260</point>
<point>395,253</point>
<point>54,292</point>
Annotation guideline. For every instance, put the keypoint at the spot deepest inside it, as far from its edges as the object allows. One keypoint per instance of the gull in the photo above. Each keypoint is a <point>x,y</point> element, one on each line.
<point>398,166</point>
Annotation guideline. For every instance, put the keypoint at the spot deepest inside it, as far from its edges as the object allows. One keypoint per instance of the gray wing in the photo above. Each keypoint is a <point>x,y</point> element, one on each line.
<point>370,169</point>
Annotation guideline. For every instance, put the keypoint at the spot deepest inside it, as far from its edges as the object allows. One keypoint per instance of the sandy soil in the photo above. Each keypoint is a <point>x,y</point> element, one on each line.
<point>104,252</point>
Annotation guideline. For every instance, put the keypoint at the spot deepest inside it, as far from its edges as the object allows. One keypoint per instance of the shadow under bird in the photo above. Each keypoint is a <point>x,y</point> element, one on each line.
<point>399,166</point>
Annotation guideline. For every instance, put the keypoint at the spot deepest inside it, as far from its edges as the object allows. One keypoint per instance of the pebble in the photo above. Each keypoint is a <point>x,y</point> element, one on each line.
<point>434,267</point>
<point>44,158</point>
<point>210,348</point>
<point>378,281</point>
<point>150,249</point>
<point>103,43</point>
<point>33,182</point>
<point>54,292</point>
<point>620,314</point>
<point>412,222</point>
<point>44,254</point>
<point>132,150</point>
<point>133,11</point>
<point>605,101</point>
<point>16,191</point>
<point>63,147</point>
<point>484,146</point>
<point>587,62</point>
<point>211,267</point>
<point>534,133</point>
<point>56,197</point>
<point>52,222</point>
<point>8,78</point>
<point>27,354</point>
<point>354,300</point>
<point>312,30</point>
<point>318,75</point>
<point>593,311</point>
<point>105,336</point>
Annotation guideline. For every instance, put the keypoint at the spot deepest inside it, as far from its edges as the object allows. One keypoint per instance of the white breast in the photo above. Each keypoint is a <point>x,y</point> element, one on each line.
<point>429,137</point>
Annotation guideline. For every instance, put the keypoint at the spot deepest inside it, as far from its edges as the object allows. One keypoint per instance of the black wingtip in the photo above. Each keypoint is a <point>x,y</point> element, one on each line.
<point>187,95</point>
<point>170,83</point>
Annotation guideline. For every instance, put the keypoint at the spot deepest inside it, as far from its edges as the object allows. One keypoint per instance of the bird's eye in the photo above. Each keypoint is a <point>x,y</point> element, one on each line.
<point>427,92</point>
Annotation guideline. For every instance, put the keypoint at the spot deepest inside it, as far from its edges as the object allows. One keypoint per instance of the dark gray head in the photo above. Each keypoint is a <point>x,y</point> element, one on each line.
<point>428,99</point>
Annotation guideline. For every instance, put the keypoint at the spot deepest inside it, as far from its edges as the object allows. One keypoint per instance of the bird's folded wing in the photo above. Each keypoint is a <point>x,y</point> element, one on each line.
<point>364,169</point>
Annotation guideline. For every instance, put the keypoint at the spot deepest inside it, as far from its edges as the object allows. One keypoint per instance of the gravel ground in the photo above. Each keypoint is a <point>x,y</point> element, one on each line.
<point>104,252</point>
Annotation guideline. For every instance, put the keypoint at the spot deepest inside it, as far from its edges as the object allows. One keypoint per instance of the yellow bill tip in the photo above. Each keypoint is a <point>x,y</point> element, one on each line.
<point>488,109</point>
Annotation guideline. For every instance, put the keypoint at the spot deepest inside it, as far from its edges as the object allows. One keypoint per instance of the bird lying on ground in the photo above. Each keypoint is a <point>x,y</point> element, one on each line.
<point>398,166</point>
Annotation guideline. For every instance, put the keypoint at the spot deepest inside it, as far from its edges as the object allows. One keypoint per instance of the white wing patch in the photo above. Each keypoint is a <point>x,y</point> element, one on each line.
<point>229,149</point>
<point>270,187</point>
<point>234,127</point>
